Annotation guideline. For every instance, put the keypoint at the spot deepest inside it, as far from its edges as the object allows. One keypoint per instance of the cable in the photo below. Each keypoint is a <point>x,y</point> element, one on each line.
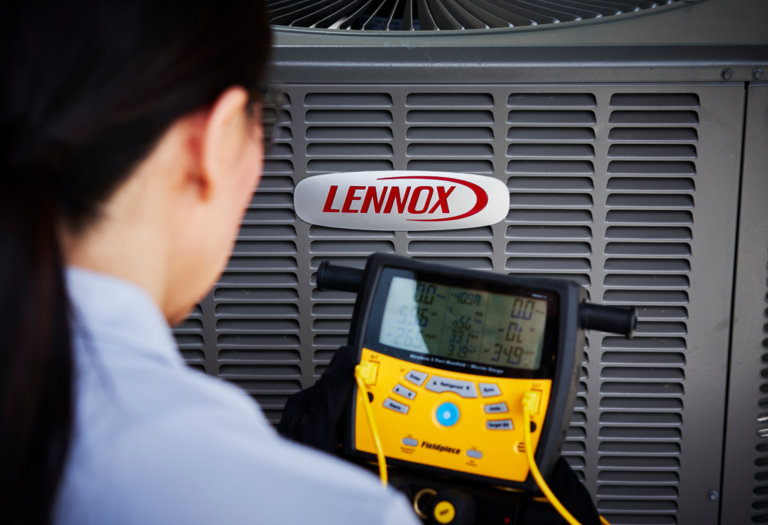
<point>529,402</point>
<point>372,424</point>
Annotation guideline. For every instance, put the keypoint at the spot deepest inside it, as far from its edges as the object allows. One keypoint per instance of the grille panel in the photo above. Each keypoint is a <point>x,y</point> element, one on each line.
<point>623,206</point>
<point>659,276</point>
<point>367,130</point>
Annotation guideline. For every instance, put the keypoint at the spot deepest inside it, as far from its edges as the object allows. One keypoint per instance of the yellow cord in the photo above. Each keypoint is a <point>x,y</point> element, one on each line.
<point>374,431</point>
<point>529,402</point>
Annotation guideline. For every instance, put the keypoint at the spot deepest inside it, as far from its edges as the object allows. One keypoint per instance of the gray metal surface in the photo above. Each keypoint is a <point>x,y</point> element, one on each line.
<point>745,472</point>
<point>630,190</point>
<point>683,42</point>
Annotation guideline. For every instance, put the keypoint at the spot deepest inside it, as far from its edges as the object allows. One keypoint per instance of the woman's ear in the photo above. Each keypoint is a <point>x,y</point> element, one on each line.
<point>225,139</point>
<point>225,162</point>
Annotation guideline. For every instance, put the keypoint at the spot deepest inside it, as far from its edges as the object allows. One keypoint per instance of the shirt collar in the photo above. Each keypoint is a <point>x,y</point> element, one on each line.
<point>119,316</point>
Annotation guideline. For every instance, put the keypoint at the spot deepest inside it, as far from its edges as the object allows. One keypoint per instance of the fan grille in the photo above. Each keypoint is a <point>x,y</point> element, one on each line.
<point>444,15</point>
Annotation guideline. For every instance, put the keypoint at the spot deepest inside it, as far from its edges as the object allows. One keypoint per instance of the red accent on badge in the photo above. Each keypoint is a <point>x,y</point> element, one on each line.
<point>480,195</point>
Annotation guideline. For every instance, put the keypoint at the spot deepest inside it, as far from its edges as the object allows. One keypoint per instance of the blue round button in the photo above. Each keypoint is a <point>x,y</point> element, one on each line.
<point>447,414</point>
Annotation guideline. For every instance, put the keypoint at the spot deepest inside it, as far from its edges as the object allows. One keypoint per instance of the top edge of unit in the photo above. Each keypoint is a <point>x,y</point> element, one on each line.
<point>698,22</point>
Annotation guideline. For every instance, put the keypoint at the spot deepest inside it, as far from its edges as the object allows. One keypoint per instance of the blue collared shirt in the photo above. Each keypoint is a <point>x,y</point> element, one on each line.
<point>158,443</point>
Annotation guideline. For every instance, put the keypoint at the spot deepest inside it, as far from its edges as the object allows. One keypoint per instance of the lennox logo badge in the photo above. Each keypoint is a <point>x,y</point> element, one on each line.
<point>401,200</point>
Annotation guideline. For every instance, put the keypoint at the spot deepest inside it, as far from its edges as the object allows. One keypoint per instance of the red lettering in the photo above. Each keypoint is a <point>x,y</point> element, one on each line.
<point>389,198</point>
<point>394,194</point>
<point>329,200</point>
<point>371,197</point>
<point>415,200</point>
<point>442,199</point>
<point>351,197</point>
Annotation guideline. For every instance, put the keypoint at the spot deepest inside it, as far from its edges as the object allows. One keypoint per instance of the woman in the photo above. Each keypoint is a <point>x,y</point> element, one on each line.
<point>131,144</point>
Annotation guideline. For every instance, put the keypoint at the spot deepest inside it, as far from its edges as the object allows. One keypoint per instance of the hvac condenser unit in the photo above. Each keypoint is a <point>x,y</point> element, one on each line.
<point>632,136</point>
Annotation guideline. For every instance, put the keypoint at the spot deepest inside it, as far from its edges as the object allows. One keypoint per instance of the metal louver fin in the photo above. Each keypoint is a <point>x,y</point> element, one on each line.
<point>444,15</point>
<point>489,19</point>
<point>339,15</point>
<point>408,16</point>
<point>425,19</point>
<point>569,7</point>
<point>345,23</point>
<point>554,11</point>
<point>378,11</point>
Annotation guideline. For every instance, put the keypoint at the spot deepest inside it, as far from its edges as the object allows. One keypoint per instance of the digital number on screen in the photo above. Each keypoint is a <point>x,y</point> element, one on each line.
<point>460,323</point>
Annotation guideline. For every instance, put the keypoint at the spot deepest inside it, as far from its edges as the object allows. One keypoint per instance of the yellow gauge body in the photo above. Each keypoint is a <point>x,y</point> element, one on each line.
<point>449,420</point>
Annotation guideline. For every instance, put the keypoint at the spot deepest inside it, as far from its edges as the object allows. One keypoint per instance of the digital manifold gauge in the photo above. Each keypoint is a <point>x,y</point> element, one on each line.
<point>451,352</point>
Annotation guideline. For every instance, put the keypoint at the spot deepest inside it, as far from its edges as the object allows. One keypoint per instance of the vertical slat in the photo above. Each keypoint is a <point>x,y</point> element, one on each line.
<point>499,10</point>
<point>442,16</point>
<point>338,17</point>
<point>482,13</point>
<point>292,14</point>
<point>392,14</point>
<point>346,23</point>
<point>524,11</point>
<point>367,23</point>
<point>408,16</point>
<point>426,22</point>
<point>548,10</point>
<point>463,16</point>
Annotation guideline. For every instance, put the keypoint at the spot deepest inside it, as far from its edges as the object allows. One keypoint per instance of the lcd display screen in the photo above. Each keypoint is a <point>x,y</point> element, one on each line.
<point>464,324</point>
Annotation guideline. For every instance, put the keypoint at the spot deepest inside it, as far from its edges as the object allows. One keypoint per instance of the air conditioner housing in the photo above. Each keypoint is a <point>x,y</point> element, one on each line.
<point>634,148</point>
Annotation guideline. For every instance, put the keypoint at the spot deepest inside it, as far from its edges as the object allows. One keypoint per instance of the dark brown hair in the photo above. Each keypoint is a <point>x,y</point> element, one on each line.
<point>88,89</point>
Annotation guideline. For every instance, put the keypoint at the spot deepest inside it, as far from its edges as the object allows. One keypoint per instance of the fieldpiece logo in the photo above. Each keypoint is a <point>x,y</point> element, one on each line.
<point>440,448</point>
<point>401,200</point>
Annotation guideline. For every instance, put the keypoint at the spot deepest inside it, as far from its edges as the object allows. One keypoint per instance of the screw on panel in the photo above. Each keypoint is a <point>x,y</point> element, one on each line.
<point>713,495</point>
<point>757,73</point>
<point>726,74</point>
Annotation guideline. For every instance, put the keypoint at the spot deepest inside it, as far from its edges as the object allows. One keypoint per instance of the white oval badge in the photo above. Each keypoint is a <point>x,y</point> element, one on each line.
<point>401,200</point>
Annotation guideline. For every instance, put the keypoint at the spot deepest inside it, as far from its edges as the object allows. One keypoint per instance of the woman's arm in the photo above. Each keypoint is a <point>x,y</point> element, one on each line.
<point>313,416</point>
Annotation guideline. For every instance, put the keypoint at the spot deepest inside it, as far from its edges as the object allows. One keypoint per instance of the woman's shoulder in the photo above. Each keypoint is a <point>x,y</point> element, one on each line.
<point>130,373</point>
<point>158,442</point>
<point>189,448</point>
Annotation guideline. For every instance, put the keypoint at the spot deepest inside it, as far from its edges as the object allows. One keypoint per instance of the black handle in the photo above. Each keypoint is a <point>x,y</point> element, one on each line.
<point>609,319</point>
<point>341,278</point>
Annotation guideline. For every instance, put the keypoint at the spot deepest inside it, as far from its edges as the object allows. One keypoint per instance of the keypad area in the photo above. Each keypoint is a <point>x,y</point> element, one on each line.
<point>448,419</point>
<point>447,414</point>
<point>404,391</point>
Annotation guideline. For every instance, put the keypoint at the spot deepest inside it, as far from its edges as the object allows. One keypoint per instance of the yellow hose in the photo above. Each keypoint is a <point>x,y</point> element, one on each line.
<point>372,424</point>
<point>529,401</point>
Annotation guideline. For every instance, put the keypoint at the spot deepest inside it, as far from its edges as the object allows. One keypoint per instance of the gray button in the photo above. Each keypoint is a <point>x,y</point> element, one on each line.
<point>474,454</point>
<point>496,408</point>
<point>503,424</point>
<point>405,392</point>
<point>397,407</point>
<point>417,378</point>
<point>442,384</point>
<point>489,390</point>
<point>410,442</point>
